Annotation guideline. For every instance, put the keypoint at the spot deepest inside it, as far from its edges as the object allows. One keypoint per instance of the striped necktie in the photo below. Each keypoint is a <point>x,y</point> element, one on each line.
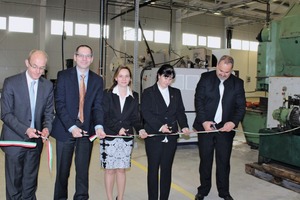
<point>81,97</point>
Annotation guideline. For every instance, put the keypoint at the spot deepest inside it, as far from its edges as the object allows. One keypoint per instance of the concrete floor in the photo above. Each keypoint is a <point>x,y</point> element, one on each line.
<point>185,176</point>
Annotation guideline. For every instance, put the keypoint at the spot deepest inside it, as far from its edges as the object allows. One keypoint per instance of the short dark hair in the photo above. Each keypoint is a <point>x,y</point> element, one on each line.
<point>84,45</point>
<point>166,70</point>
<point>227,60</point>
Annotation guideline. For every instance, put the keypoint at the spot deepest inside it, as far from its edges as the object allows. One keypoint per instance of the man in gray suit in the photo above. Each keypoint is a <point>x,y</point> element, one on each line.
<point>27,112</point>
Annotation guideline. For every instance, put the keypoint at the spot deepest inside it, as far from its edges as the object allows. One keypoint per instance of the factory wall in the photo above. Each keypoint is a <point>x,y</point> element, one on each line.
<point>14,47</point>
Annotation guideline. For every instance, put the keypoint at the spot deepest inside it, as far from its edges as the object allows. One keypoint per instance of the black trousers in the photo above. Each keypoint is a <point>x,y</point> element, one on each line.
<point>219,144</point>
<point>21,174</point>
<point>160,156</point>
<point>64,153</point>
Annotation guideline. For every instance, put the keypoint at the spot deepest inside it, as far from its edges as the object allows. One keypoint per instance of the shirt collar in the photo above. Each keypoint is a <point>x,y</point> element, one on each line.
<point>29,79</point>
<point>162,89</point>
<point>117,92</point>
<point>79,73</point>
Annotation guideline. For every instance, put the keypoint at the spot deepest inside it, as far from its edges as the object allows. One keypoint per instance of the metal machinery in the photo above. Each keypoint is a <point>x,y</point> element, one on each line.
<point>280,141</point>
<point>278,73</point>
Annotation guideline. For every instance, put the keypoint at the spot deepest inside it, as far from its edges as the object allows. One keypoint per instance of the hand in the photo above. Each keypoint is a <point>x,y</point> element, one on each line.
<point>44,134</point>
<point>100,133</point>
<point>143,134</point>
<point>32,133</point>
<point>228,126</point>
<point>208,126</point>
<point>186,131</point>
<point>123,131</point>
<point>165,129</point>
<point>77,132</point>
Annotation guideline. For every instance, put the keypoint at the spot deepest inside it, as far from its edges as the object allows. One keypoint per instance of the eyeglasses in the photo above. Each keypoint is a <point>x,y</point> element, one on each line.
<point>84,56</point>
<point>36,67</point>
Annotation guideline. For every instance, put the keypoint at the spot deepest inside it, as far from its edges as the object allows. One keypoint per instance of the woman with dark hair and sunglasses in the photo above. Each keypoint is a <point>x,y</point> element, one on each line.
<point>121,115</point>
<point>162,110</point>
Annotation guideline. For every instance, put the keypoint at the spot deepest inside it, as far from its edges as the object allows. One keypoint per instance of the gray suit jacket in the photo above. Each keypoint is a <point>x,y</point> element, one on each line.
<point>16,112</point>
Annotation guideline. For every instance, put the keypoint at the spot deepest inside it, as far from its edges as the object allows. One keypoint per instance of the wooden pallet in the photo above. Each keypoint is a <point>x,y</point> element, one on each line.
<point>275,173</point>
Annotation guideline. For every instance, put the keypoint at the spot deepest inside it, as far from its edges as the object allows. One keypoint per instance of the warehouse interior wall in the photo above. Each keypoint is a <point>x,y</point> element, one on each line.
<point>14,47</point>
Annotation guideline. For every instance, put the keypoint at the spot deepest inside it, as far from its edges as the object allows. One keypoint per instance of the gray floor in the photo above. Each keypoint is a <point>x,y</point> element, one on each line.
<point>185,176</point>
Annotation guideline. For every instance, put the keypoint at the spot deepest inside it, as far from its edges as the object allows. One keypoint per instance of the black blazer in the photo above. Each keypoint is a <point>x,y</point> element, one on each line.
<point>66,95</point>
<point>207,99</point>
<point>114,120</point>
<point>156,113</point>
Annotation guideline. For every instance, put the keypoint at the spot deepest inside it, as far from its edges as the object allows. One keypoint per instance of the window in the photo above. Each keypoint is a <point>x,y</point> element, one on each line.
<point>236,44</point>
<point>245,45</point>
<point>129,34</point>
<point>20,24</point>
<point>2,23</point>
<point>189,39</point>
<point>253,46</point>
<point>162,37</point>
<point>148,35</point>
<point>81,29</point>
<point>213,42</point>
<point>94,31</point>
<point>57,27</point>
<point>202,40</point>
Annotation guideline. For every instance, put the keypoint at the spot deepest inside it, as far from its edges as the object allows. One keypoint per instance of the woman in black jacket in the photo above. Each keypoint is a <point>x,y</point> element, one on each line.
<point>121,115</point>
<point>163,110</point>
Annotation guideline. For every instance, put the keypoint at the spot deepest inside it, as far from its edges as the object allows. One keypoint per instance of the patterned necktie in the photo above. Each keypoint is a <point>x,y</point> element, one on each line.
<point>32,102</point>
<point>218,116</point>
<point>81,97</point>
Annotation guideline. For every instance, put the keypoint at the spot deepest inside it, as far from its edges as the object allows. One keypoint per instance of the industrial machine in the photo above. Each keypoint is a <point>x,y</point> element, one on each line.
<point>278,73</point>
<point>280,141</point>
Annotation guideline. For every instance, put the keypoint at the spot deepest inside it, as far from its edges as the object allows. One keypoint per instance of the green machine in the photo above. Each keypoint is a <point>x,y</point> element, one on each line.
<point>255,119</point>
<point>279,57</point>
<point>282,143</point>
<point>279,48</point>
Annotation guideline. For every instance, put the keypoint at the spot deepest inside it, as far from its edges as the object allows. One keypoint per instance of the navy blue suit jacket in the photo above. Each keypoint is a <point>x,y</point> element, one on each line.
<point>207,99</point>
<point>66,95</point>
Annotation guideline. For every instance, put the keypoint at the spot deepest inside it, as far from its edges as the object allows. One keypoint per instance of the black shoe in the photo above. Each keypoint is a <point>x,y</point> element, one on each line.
<point>228,198</point>
<point>199,196</point>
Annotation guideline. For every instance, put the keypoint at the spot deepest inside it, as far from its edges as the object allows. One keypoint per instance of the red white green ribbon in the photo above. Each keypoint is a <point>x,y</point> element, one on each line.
<point>8,143</point>
<point>49,154</point>
<point>92,138</point>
